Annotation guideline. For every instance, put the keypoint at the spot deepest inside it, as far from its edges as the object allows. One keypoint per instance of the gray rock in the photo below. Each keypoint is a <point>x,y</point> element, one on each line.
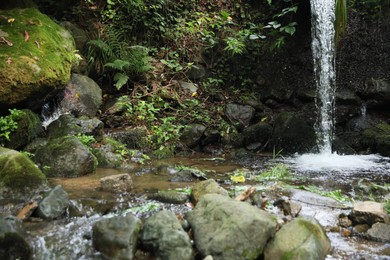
<point>13,243</point>
<point>302,238</point>
<point>170,196</point>
<point>65,157</point>
<point>379,232</point>
<point>228,229</point>
<point>116,237</point>
<point>107,156</point>
<point>368,212</point>
<point>67,124</point>
<point>190,87</point>
<point>241,115</point>
<point>206,187</point>
<point>116,183</point>
<point>192,135</point>
<point>164,236</point>
<point>131,136</point>
<point>82,96</point>
<point>54,204</point>
<point>257,136</point>
<point>196,72</point>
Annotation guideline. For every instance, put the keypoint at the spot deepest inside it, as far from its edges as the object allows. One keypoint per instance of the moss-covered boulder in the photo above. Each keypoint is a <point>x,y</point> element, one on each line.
<point>377,139</point>
<point>18,174</point>
<point>29,127</point>
<point>36,57</point>
<point>65,157</point>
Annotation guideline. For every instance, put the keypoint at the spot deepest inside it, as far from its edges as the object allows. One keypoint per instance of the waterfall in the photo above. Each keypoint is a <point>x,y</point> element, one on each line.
<point>323,48</point>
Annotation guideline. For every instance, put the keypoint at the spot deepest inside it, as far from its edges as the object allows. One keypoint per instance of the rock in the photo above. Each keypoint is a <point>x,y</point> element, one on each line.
<point>182,176</point>
<point>192,135</point>
<point>79,35</point>
<point>116,237</point>
<point>67,124</point>
<point>65,157</point>
<point>107,156</point>
<point>19,176</point>
<point>131,136</point>
<point>229,229</point>
<point>54,204</point>
<point>205,187</point>
<point>361,228</point>
<point>170,196</point>
<point>364,188</point>
<point>302,238</point>
<point>376,92</point>
<point>379,232</point>
<point>240,115</point>
<point>13,243</point>
<point>368,212</point>
<point>377,139</point>
<point>292,134</point>
<point>116,183</point>
<point>82,96</point>
<point>257,136</point>
<point>29,127</point>
<point>39,67</point>
<point>164,236</point>
<point>196,72</point>
<point>190,87</point>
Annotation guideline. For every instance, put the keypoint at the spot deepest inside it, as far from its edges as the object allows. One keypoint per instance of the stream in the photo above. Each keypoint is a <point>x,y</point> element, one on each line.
<point>70,237</point>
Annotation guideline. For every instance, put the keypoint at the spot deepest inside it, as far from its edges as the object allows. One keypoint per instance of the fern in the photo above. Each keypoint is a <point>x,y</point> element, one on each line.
<point>120,80</point>
<point>118,64</point>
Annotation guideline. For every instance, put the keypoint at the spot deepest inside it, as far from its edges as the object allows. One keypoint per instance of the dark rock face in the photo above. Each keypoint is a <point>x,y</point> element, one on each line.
<point>13,243</point>
<point>117,237</point>
<point>240,115</point>
<point>54,204</point>
<point>230,229</point>
<point>192,135</point>
<point>164,236</point>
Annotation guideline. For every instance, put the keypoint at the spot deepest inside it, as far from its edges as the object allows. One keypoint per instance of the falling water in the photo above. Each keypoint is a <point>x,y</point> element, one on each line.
<point>323,16</point>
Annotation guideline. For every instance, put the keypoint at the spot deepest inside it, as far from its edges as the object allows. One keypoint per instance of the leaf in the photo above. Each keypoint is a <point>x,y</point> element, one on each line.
<point>4,40</point>
<point>26,36</point>
<point>237,178</point>
<point>9,60</point>
<point>120,80</point>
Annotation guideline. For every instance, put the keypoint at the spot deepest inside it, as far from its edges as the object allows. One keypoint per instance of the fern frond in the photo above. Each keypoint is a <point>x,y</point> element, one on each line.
<point>120,80</point>
<point>118,65</point>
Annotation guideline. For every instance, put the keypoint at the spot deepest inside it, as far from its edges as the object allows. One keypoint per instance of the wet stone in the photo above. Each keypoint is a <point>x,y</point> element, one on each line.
<point>368,212</point>
<point>206,187</point>
<point>173,197</point>
<point>54,204</point>
<point>379,232</point>
<point>116,183</point>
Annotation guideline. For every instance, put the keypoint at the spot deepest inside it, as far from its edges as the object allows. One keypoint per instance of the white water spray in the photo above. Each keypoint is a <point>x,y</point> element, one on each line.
<point>323,17</point>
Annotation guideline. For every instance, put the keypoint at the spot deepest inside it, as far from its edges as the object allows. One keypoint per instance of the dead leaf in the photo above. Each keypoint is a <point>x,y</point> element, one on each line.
<point>26,36</point>
<point>9,60</point>
<point>27,210</point>
<point>4,40</point>
<point>11,20</point>
<point>246,194</point>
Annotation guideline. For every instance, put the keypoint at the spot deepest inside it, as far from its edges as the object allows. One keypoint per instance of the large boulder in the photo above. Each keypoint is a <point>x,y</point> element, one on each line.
<point>65,157</point>
<point>257,136</point>
<point>13,243</point>
<point>116,237</point>
<point>37,57</point>
<point>19,176</point>
<point>239,115</point>
<point>301,239</point>
<point>164,236</point>
<point>82,96</point>
<point>230,229</point>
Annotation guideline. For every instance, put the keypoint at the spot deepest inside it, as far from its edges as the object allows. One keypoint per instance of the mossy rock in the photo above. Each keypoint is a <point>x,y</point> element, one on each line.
<point>377,139</point>
<point>29,128</point>
<point>17,171</point>
<point>36,60</point>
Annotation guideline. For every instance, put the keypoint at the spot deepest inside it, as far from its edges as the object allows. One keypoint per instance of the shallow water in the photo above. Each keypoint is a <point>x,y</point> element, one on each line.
<point>70,238</point>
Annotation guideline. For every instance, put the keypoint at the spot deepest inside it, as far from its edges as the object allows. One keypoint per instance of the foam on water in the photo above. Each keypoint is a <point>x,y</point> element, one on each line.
<point>325,162</point>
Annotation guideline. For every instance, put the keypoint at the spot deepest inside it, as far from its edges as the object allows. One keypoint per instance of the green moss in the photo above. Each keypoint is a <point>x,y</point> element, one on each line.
<point>18,171</point>
<point>378,139</point>
<point>44,59</point>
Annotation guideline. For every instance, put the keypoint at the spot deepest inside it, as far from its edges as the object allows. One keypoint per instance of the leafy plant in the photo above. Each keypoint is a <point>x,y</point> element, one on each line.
<point>277,172</point>
<point>8,124</point>
<point>86,140</point>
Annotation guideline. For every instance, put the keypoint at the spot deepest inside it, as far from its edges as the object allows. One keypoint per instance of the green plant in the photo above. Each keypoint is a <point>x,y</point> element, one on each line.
<point>387,205</point>
<point>8,124</point>
<point>277,172</point>
<point>335,194</point>
<point>86,140</point>
<point>341,20</point>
